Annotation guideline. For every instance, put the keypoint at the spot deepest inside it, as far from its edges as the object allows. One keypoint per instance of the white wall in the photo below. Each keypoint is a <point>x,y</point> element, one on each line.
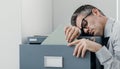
<point>119,10</point>
<point>63,9</point>
<point>36,18</point>
<point>10,36</point>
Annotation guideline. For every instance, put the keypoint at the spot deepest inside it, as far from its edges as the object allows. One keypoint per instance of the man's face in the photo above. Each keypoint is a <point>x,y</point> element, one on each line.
<point>91,24</point>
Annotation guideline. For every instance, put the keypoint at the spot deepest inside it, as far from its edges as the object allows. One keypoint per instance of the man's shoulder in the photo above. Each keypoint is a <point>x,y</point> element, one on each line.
<point>117,24</point>
<point>116,28</point>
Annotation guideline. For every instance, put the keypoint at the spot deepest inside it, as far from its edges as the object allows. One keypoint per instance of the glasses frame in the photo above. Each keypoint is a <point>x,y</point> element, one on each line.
<point>84,22</point>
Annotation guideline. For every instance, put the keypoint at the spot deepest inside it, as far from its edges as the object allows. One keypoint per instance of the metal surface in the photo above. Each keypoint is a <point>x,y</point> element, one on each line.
<point>32,57</point>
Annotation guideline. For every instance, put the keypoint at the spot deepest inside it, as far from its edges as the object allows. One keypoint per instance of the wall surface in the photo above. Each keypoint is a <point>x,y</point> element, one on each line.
<point>36,18</point>
<point>63,9</point>
<point>10,34</point>
<point>119,10</point>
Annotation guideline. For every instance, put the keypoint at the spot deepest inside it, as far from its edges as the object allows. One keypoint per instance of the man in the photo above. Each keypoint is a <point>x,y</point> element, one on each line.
<point>92,21</point>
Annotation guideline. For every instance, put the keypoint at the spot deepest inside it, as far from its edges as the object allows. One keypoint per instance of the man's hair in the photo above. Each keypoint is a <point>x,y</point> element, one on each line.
<point>84,9</point>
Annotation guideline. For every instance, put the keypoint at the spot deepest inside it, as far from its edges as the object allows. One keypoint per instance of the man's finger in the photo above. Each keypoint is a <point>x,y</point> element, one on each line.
<point>74,35</point>
<point>73,43</point>
<point>79,50</point>
<point>71,34</point>
<point>75,50</point>
<point>83,51</point>
<point>65,29</point>
<point>67,32</point>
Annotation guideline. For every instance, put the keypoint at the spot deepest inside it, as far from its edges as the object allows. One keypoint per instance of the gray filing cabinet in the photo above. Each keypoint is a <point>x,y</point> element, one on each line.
<point>32,56</point>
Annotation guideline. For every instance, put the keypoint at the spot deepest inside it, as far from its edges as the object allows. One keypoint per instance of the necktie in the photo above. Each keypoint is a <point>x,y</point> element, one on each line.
<point>105,41</point>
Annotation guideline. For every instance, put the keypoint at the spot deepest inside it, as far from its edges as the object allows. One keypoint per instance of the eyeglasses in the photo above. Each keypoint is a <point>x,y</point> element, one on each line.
<point>84,22</point>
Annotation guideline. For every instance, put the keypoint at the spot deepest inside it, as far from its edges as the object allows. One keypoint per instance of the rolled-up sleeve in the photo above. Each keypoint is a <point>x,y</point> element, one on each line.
<point>107,59</point>
<point>103,55</point>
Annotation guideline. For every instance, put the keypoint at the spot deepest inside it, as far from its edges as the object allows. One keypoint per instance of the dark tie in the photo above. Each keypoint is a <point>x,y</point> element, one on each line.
<point>104,42</point>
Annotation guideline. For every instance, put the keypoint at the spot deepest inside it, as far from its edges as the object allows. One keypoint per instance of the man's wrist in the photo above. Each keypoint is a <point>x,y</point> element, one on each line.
<point>98,47</point>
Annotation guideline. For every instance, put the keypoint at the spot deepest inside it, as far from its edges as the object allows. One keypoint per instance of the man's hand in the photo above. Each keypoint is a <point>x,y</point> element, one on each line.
<point>71,32</point>
<point>83,45</point>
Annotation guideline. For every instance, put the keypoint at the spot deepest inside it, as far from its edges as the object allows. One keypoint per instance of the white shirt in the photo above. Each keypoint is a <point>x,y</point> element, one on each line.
<point>110,58</point>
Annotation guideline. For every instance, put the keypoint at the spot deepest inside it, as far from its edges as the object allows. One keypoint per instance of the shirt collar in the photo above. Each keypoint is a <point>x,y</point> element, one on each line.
<point>108,27</point>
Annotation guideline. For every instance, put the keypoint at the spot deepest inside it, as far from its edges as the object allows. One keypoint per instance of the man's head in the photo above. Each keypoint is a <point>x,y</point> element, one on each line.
<point>89,19</point>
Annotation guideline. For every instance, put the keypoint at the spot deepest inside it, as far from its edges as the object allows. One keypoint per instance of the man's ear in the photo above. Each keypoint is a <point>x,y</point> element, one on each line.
<point>96,12</point>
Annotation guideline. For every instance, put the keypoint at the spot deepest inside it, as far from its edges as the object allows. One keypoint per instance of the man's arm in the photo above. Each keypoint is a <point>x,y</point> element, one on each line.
<point>108,59</point>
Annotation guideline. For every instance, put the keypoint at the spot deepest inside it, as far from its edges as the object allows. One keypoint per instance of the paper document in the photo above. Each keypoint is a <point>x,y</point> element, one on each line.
<point>56,38</point>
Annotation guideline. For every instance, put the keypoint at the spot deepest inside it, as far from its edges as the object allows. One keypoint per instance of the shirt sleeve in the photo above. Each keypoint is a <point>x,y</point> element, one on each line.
<point>107,59</point>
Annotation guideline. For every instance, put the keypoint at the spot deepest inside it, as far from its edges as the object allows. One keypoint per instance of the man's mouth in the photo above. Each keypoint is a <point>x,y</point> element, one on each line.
<point>91,32</point>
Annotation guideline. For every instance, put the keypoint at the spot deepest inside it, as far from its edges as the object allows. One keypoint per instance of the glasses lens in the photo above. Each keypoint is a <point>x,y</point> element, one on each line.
<point>84,23</point>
